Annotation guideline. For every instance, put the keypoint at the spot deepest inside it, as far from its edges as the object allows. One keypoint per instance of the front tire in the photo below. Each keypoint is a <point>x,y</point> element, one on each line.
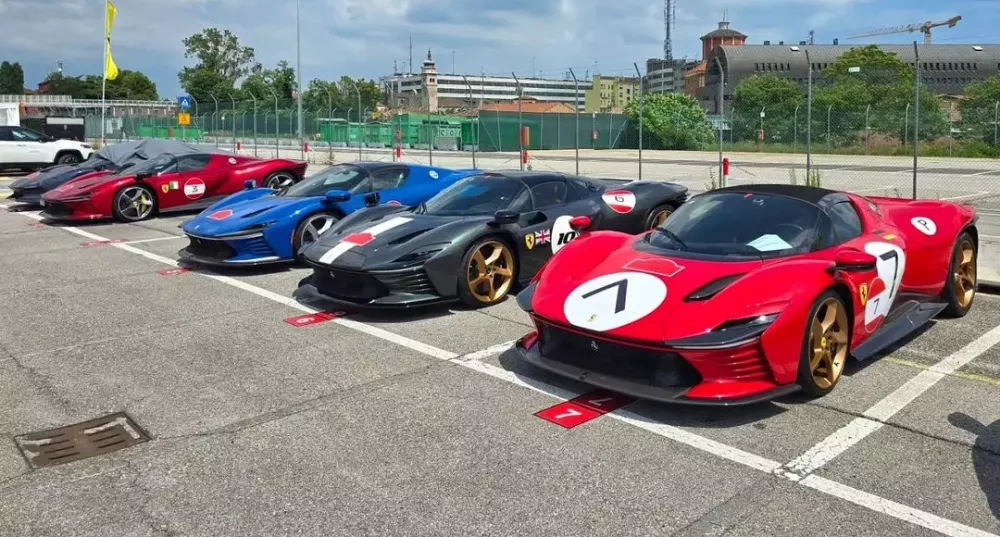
<point>69,158</point>
<point>279,180</point>
<point>488,272</point>
<point>826,346</point>
<point>134,203</point>
<point>960,287</point>
<point>310,228</point>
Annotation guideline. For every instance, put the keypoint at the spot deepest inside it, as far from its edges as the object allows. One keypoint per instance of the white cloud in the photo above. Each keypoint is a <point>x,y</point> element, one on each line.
<point>364,37</point>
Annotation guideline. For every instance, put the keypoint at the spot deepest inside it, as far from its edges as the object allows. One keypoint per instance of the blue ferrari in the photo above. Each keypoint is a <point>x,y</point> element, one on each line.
<point>262,226</point>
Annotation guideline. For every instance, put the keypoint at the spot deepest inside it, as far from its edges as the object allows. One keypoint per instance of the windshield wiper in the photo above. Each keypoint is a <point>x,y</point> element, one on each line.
<point>673,236</point>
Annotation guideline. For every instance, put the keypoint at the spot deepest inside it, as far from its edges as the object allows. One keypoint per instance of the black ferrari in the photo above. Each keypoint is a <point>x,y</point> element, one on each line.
<point>474,241</point>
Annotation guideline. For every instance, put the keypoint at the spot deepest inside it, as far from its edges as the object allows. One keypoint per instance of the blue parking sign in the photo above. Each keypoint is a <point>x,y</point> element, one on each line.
<point>184,102</point>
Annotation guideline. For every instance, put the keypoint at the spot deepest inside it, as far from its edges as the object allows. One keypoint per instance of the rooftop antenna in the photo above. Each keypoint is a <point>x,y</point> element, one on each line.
<point>668,24</point>
<point>410,72</point>
<point>812,37</point>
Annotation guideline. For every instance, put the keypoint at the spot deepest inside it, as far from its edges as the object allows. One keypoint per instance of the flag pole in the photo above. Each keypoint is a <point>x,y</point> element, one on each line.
<point>104,73</point>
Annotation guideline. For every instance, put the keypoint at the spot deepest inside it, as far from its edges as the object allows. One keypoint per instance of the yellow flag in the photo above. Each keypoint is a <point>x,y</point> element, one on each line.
<point>110,69</point>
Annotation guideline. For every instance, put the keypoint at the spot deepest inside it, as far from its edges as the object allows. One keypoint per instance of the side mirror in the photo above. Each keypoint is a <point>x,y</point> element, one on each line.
<point>504,217</point>
<point>372,199</point>
<point>142,176</point>
<point>337,196</point>
<point>579,223</point>
<point>249,184</point>
<point>851,260</point>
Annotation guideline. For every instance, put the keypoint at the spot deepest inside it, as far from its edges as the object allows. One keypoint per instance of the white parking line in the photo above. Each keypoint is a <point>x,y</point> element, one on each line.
<point>875,417</point>
<point>677,434</point>
<point>979,173</point>
<point>143,241</point>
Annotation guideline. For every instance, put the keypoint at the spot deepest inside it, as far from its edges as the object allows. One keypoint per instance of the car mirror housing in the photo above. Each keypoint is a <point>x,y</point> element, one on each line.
<point>141,176</point>
<point>337,196</point>
<point>851,260</point>
<point>579,223</point>
<point>372,199</point>
<point>504,217</point>
<point>249,184</point>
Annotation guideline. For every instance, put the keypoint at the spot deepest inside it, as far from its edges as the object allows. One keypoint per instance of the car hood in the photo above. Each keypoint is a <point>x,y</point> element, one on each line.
<point>369,243</point>
<point>582,288</point>
<point>243,214</point>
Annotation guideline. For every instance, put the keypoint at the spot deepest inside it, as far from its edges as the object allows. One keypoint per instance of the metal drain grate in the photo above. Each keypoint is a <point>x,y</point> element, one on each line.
<point>80,441</point>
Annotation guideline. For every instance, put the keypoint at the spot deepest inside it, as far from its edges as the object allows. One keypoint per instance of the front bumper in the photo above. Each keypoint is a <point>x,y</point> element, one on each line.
<point>70,211</point>
<point>654,374</point>
<point>30,196</point>
<point>237,252</point>
<point>390,290</point>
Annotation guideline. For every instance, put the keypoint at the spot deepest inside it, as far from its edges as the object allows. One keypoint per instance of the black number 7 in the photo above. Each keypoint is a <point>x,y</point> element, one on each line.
<point>894,257</point>
<point>620,300</point>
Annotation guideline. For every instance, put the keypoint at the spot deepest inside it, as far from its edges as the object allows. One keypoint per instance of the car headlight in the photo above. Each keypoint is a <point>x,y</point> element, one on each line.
<point>750,322</point>
<point>423,253</point>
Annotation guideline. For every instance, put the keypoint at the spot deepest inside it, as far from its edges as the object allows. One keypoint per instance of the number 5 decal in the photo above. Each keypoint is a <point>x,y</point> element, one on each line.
<point>890,264</point>
<point>614,300</point>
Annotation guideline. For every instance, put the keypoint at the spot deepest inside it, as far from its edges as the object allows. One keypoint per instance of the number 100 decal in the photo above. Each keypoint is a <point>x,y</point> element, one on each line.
<point>614,300</point>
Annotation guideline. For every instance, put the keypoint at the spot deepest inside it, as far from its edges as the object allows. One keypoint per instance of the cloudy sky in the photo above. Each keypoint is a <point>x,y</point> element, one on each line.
<point>364,37</point>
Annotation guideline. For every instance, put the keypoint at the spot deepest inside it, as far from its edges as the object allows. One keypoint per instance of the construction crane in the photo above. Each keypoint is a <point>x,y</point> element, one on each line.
<point>924,27</point>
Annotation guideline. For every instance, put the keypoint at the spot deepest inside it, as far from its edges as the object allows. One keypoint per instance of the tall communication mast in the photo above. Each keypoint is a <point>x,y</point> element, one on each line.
<point>668,25</point>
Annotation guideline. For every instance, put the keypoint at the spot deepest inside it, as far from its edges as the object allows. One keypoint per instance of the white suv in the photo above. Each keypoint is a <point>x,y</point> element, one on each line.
<point>25,149</point>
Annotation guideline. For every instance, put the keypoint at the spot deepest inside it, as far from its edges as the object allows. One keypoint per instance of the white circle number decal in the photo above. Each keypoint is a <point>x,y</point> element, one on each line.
<point>614,300</point>
<point>890,264</point>
<point>620,201</point>
<point>924,225</point>
<point>562,234</point>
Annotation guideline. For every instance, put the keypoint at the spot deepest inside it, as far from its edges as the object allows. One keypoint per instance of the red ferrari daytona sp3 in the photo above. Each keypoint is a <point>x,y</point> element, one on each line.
<point>166,183</point>
<point>749,293</point>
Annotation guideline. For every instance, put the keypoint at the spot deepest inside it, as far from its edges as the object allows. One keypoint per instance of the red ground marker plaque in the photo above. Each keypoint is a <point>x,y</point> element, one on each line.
<point>173,271</point>
<point>584,408</point>
<point>568,414</point>
<point>313,318</point>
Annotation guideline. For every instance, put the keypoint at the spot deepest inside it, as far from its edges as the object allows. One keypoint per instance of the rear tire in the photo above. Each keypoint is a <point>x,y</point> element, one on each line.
<point>310,228</point>
<point>960,287</point>
<point>279,180</point>
<point>488,272</point>
<point>134,203</point>
<point>658,215</point>
<point>826,345</point>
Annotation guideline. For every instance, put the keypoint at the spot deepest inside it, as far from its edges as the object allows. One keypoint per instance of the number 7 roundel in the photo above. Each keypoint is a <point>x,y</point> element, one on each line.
<point>614,300</point>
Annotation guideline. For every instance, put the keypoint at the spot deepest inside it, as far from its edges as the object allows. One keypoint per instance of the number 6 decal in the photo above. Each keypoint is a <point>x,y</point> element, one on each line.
<point>614,300</point>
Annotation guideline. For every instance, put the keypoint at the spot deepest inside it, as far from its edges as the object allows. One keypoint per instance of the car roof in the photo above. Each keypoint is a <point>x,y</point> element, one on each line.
<point>533,177</point>
<point>809,194</point>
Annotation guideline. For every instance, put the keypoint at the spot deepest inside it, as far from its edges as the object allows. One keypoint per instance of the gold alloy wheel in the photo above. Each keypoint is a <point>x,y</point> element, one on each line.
<point>965,274</point>
<point>828,343</point>
<point>660,218</point>
<point>491,271</point>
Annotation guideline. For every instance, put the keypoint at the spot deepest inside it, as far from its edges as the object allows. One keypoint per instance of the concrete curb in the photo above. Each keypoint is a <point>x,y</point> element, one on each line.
<point>988,266</point>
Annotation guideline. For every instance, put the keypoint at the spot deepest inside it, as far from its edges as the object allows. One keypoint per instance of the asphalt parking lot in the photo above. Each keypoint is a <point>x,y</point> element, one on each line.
<point>403,425</point>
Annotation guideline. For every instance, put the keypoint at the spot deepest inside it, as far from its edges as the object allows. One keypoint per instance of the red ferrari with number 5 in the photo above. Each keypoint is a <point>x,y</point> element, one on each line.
<point>164,184</point>
<point>749,293</point>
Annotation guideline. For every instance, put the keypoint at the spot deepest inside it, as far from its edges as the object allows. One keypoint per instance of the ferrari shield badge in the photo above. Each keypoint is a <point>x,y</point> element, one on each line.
<point>529,240</point>
<point>863,293</point>
<point>165,188</point>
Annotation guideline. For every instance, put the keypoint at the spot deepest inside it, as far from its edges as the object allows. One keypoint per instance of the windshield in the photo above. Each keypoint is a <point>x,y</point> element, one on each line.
<point>480,195</point>
<point>154,165</point>
<point>342,177</point>
<point>739,224</point>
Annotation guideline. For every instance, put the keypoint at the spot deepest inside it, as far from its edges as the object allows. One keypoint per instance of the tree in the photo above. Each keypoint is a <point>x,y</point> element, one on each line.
<point>11,78</point>
<point>129,85</point>
<point>222,61</point>
<point>981,110</point>
<point>323,95</point>
<point>869,87</point>
<point>674,120</point>
<point>778,98</point>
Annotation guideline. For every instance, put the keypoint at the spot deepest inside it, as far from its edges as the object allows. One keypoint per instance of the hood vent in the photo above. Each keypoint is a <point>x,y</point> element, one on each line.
<point>408,237</point>
<point>255,213</point>
<point>712,288</point>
